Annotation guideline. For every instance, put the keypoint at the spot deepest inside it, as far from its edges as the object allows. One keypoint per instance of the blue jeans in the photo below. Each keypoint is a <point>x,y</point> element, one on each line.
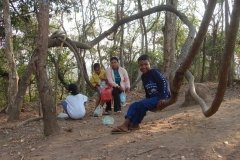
<point>137,110</point>
<point>64,105</point>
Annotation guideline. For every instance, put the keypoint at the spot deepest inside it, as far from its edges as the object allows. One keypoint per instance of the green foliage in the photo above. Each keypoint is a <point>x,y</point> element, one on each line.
<point>134,67</point>
<point>3,91</point>
<point>3,80</point>
<point>90,91</point>
<point>157,59</point>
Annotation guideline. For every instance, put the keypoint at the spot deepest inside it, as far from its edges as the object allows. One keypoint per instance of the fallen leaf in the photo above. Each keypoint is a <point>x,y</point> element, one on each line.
<point>6,144</point>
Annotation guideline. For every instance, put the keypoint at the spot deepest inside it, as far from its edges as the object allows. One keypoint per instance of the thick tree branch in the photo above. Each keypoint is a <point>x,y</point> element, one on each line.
<point>228,53</point>
<point>53,42</point>
<point>179,75</point>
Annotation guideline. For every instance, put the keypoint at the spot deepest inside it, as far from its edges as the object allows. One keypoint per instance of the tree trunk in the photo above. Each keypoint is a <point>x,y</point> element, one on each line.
<point>22,87</point>
<point>39,60</point>
<point>143,27</point>
<point>143,38</point>
<point>203,59</point>
<point>179,75</point>
<point>83,71</point>
<point>212,66</point>
<point>12,70</point>
<point>231,69</point>
<point>169,38</point>
<point>122,35</point>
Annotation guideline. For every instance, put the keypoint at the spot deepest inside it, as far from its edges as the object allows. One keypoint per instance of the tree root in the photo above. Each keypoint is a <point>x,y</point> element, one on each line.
<point>28,121</point>
<point>3,110</point>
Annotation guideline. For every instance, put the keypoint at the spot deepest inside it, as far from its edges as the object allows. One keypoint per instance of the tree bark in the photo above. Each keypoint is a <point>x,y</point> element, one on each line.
<point>203,59</point>
<point>122,36</point>
<point>39,62</point>
<point>170,38</point>
<point>22,87</point>
<point>231,69</point>
<point>12,70</point>
<point>144,31</point>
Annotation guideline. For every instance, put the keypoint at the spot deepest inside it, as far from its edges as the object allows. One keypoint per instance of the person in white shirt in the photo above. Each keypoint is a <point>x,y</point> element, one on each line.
<point>75,104</point>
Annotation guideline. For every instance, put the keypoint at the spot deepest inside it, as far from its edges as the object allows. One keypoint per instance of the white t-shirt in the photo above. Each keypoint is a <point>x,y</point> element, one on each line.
<point>75,107</point>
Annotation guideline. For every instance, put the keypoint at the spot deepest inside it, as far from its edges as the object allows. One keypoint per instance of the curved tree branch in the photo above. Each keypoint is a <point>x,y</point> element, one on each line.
<point>53,42</point>
<point>201,102</point>
<point>73,48</point>
<point>179,75</point>
<point>228,53</point>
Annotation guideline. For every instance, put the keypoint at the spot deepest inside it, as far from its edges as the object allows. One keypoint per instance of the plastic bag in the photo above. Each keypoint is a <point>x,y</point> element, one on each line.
<point>108,120</point>
<point>123,97</point>
<point>62,115</point>
<point>98,111</point>
<point>106,93</point>
<point>103,84</point>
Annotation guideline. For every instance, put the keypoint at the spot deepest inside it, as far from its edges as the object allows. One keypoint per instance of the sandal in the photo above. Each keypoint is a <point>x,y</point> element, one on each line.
<point>134,128</point>
<point>118,130</point>
<point>106,113</point>
<point>118,112</point>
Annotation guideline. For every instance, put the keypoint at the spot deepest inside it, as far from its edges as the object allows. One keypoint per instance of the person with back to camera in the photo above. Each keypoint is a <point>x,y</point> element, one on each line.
<point>75,104</point>
<point>98,77</point>
<point>118,78</point>
<point>156,90</point>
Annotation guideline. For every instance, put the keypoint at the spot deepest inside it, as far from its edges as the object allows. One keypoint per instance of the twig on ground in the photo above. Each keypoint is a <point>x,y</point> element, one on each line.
<point>87,139</point>
<point>28,121</point>
<point>139,153</point>
<point>213,150</point>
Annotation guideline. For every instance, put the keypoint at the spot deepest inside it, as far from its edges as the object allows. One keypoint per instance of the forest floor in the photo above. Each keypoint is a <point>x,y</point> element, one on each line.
<point>181,133</point>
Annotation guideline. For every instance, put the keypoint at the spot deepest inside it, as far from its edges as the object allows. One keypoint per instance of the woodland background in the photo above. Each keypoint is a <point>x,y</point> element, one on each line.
<point>73,35</point>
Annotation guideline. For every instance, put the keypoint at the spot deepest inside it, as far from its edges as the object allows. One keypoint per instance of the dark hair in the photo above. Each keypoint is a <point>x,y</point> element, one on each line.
<point>72,88</point>
<point>144,57</point>
<point>96,65</point>
<point>113,58</point>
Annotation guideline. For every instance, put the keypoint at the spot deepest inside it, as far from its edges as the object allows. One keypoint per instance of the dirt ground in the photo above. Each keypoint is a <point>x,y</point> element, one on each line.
<point>181,133</point>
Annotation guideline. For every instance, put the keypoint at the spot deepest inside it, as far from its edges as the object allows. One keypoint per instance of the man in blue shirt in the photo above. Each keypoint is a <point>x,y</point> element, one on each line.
<point>157,91</point>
